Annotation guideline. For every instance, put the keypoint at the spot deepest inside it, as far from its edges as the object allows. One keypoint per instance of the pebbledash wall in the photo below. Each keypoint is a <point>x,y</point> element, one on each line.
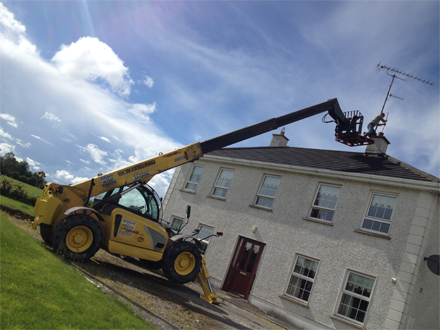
<point>405,293</point>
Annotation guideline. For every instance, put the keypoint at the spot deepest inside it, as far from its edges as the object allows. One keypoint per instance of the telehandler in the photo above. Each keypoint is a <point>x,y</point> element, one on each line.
<point>125,217</point>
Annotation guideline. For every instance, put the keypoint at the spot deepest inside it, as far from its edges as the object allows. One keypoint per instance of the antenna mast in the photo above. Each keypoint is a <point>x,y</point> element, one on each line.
<point>400,75</point>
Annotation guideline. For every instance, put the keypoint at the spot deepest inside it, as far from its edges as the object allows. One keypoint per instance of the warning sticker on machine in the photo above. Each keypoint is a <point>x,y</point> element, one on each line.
<point>107,180</point>
<point>121,232</point>
<point>129,224</point>
<point>141,175</point>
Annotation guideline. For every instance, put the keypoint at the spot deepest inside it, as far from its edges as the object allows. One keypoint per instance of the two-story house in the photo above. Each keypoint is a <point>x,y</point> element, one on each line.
<point>318,238</point>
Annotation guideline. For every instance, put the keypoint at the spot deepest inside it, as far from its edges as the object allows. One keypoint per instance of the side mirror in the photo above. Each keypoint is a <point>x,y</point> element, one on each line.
<point>188,211</point>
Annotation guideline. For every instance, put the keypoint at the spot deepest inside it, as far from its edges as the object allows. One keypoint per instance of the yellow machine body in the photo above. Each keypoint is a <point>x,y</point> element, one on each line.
<point>79,228</point>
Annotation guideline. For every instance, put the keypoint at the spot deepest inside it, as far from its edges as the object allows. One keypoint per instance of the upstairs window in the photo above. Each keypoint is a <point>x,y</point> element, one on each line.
<point>194,178</point>
<point>222,184</point>
<point>324,205</point>
<point>355,298</point>
<point>302,278</point>
<point>267,192</point>
<point>378,217</point>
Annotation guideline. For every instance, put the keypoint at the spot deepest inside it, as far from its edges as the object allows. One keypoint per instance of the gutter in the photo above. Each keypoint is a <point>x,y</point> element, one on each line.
<point>367,178</point>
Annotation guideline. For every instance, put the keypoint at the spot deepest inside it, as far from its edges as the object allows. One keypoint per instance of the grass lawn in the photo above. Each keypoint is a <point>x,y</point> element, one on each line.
<point>39,291</point>
<point>12,204</point>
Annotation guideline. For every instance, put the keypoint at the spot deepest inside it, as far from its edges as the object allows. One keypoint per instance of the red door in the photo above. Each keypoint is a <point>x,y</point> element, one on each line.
<point>243,268</point>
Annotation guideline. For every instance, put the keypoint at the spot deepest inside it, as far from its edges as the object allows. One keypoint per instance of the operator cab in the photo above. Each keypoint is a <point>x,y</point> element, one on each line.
<point>143,201</point>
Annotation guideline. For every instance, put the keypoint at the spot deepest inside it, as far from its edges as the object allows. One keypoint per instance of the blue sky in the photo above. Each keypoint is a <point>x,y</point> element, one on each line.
<point>90,86</point>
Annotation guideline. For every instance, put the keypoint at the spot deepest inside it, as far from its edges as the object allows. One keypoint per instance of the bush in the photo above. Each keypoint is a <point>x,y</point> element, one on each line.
<point>16,191</point>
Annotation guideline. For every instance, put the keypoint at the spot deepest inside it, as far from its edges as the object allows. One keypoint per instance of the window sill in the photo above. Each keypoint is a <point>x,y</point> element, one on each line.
<point>328,223</point>
<point>260,208</point>
<point>302,303</point>
<point>341,319</point>
<point>360,231</point>
<point>216,197</point>
<point>188,191</point>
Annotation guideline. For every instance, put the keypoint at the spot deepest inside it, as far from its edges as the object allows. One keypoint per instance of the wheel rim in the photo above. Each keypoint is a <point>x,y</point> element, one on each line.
<point>184,263</point>
<point>79,239</point>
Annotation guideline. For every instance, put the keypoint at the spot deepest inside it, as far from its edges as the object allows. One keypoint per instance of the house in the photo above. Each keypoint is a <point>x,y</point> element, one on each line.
<point>318,238</point>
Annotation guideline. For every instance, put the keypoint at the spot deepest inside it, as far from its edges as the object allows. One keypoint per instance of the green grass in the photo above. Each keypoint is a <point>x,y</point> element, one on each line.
<point>39,291</point>
<point>12,204</point>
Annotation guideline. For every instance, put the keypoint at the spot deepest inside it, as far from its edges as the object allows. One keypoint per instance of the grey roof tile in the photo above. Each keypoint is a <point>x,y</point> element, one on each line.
<point>344,161</point>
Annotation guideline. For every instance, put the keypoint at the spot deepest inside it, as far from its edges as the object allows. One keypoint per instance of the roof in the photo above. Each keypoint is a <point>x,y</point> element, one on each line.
<point>344,161</point>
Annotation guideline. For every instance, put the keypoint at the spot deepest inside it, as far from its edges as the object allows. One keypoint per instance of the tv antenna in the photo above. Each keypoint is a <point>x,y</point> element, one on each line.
<point>399,75</point>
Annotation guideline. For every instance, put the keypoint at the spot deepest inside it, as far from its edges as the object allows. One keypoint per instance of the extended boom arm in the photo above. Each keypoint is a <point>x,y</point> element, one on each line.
<point>145,170</point>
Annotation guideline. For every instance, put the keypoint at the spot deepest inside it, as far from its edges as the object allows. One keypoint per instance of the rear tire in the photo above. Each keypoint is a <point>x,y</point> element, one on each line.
<point>46,234</point>
<point>78,237</point>
<point>181,262</point>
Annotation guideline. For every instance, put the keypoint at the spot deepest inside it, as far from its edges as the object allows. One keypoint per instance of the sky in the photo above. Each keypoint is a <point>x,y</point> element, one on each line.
<point>87,87</point>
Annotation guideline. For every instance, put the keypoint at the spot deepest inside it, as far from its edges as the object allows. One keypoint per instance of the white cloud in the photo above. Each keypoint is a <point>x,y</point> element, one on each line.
<point>85,161</point>
<point>79,179</point>
<point>10,120</point>
<point>51,117</point>
<point>95,153</point>
<point>148,81</point>
<point>142,111</point>
<point>65,177</point>
<point>35,166</point>
<point>23,145</point>
<point>105,139</point>
<point>12,33</point>
<point>90,59</point>
<point>3,134</point>
<point>9,22</point>
<point>41,139</point>
<point>5,148</point>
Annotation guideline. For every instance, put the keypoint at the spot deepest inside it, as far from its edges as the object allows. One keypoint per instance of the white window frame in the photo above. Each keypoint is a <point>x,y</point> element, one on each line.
<point>187,182</point>
<point>322,208</point>
<point>266,197</point>
<point>222,188</point>
<point>301,277</point>
<point>205,243</point>
<point>378,220</point>
<point>355,296</point>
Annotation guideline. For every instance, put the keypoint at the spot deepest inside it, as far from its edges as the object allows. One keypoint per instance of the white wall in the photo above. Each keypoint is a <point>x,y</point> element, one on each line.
<point>286,233</point>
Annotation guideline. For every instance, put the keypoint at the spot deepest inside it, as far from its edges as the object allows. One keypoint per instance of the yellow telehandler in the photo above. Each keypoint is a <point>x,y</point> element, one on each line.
<point>125,216</point>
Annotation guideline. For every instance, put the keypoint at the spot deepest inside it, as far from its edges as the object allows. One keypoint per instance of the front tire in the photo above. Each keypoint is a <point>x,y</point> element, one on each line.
<point>181,262</point>
<point>78,237</point>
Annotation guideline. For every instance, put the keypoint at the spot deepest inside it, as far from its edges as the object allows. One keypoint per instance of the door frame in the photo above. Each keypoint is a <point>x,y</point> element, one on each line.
<point>239,248</point>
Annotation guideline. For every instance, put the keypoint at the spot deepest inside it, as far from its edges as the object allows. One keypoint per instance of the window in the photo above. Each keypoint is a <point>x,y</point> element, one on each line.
<point>194,178</point>
<point>378,218</point>
<point>223,182</point>
<point>302,278</point>
<point>176,223</point>
<point>356,296</point>
<point>268,191</point>
<point>325,202</point>
<point>140,200</point>
<point>203,232</point>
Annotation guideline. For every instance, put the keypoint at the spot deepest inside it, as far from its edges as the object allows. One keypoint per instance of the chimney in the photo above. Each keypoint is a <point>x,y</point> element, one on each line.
<point>279,140</point>
<point>380,145</point>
